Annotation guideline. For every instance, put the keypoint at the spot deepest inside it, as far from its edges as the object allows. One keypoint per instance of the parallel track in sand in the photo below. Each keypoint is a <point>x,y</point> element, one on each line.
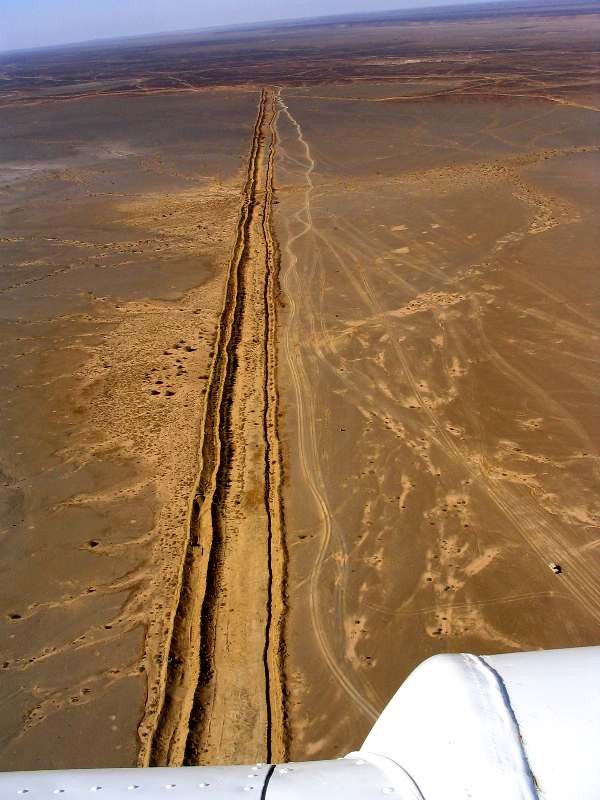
<point>223,689</point>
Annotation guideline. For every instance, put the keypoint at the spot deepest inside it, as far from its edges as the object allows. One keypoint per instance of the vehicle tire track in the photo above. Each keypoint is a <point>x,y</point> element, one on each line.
<point>307,439</point>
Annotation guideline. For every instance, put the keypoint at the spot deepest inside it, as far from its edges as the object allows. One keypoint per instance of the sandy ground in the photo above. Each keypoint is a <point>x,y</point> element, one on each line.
<point>439,364</point>
<point>235,514</point>
<point>116,241</point>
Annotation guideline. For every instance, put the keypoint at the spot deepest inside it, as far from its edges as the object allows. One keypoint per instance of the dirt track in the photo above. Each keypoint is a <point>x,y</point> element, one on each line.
<point>433,416</point>
<point>235,555</point>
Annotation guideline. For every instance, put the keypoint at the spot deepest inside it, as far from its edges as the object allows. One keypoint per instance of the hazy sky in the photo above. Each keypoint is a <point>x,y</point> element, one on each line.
<point>35,23</point>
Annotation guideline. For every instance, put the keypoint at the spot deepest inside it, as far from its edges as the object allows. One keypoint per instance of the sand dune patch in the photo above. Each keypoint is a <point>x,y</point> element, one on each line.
<point>426,302</point>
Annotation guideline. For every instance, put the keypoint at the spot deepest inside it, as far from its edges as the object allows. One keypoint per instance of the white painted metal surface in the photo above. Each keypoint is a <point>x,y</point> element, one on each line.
<point>555,695</point>
<point>347,778</point>
<point>129,784</point>
<point>523,726</point>
<point>351,778</point>
<point>449,728</point>
<point>491,728</point>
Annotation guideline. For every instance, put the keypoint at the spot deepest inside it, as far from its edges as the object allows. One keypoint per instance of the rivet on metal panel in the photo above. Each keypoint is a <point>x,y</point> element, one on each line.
<point>170,785</point>
<point>204,785</point>
<point>248,788</point>
<point>388,790</point>
<point>133,786</point>
<point>95,789</point>
<point>58,791</point>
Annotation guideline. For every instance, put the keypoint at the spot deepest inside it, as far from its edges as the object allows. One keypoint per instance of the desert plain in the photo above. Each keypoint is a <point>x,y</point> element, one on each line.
<point>300,367</point>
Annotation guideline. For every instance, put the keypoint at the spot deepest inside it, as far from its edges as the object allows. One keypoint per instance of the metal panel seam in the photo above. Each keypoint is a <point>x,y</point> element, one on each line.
<point>511,713</point>
<point>387,765</point>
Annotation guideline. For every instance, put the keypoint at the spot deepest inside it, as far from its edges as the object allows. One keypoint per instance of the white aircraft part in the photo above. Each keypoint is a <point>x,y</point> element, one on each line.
<point>160,783</point>
<point>491,727</point>
<point>555,696</point>
<point>523,726</point>
<point>355,777</point>
<point>348,778</point>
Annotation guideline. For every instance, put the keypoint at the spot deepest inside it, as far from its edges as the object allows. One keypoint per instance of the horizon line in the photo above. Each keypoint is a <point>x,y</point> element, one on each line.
<point>262,23</point>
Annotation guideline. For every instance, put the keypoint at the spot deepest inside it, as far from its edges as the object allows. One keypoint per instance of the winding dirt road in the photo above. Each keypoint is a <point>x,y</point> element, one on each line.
<point>307,435</point>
